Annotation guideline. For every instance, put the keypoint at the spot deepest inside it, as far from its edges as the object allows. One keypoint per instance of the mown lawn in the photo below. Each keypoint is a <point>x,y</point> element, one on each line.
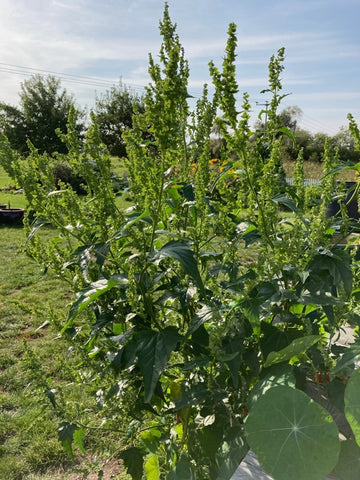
<point>34,358</point>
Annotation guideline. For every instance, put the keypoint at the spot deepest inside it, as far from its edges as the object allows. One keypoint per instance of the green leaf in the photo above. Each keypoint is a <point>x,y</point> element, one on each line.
<point>252,304</point>
<point>133,459</point>
<point>336,264</point>
<point>233,347</point>
<point>251,235</point>
<point>296,347</point>
<point>183,470</point>
<point>154,350</point>
<point>152,468</point>
<point>233,450</point>
<point>288,133</point>
<point>292,436</point>
<point>204,315</point>
<point>284,200</point>
<point>66,432</point>
<point>151,439</point>
<point>348,467</point>
<point>352,404</point>
<point>92,293</point>
<point>50,393</point>
<point>78,437</point>
<point>349,358</point>
<point>320,299</point>
<point>39,223</point>
<point>342,167</point>
<point>278,375</point>
<point>181,251</point>
<point>221,175</point>
<point>134,217</point>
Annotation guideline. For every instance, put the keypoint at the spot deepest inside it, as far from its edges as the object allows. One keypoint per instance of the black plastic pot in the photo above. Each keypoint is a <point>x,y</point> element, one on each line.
<point>11,216</point>
<point>333,208</point>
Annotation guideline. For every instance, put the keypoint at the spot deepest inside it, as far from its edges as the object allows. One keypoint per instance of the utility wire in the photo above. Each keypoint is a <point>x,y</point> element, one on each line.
<point>70,78</point>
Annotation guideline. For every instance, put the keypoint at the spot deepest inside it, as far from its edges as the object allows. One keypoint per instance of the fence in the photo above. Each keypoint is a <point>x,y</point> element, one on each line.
<point>307,181</point>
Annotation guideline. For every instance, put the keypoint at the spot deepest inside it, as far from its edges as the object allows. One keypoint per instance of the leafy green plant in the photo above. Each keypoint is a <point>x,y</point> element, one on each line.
<point>202,353</point>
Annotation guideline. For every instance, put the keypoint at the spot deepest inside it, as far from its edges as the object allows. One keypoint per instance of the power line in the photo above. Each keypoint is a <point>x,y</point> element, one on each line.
<point>54,73</point>
<point>70,78</point>
<point>317,125</point>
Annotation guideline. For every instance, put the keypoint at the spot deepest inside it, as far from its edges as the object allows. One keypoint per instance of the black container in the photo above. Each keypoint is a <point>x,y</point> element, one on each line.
<point>11,216</point>
<point>333,208</point>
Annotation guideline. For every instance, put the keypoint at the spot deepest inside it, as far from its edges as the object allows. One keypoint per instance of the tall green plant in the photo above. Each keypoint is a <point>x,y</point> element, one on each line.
<point>206,355</point>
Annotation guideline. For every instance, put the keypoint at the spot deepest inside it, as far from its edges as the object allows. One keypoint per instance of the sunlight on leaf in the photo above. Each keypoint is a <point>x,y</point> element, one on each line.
<point>296,347</point>
<point>292,436</point>
<point>152,468</point>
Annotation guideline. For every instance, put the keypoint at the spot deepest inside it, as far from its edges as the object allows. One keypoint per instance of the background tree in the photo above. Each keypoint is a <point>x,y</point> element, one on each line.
<point>43,108</point>
<point>344,142</point>
<point>114,111</point>
<point>313,144</point>
<point>289,117</point>
<point>12,124</point>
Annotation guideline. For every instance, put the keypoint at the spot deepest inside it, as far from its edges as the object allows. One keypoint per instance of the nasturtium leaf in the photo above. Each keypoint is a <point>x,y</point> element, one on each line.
<point>352,404</point>
<point>153,350</point>
<point>152,468</point>
<point>296,347</point>
<point>292,436</point>
<point>348,467</point>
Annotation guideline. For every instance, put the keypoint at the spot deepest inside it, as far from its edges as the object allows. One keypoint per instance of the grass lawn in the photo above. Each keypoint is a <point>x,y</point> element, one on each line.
<point>33,357</point>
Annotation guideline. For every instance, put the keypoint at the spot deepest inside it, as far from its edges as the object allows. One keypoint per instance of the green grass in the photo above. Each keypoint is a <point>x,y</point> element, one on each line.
<point>28,442</point>
<point>8,192</point>
<point>314,170</point>
<point>32,354</point>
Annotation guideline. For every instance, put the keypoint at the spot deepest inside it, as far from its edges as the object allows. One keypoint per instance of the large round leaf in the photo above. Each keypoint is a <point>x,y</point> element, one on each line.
<point>292,436</point>
<point>352,404</point>
<point>348,467</point>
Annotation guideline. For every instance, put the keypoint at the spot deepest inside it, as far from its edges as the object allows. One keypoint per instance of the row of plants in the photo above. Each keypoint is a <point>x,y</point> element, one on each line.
<point>193,354</point>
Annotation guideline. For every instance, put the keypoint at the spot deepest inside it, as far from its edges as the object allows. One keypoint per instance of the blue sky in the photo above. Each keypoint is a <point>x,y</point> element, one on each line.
<point>92,44</point>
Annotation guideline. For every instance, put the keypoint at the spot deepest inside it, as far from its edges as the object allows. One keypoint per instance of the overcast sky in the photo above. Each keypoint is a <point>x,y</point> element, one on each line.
<point>92,44</point>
